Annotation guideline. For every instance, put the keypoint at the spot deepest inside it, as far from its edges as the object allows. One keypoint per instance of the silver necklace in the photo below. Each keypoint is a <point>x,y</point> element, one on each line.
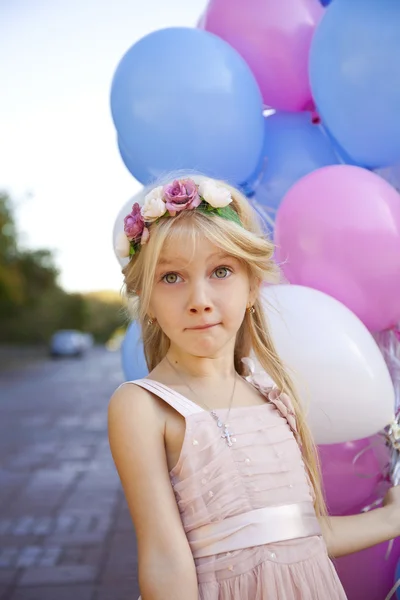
<point>227,435</point>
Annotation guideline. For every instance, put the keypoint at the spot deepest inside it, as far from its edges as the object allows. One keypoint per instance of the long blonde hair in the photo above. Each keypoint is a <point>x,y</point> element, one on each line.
<point>255,250</point>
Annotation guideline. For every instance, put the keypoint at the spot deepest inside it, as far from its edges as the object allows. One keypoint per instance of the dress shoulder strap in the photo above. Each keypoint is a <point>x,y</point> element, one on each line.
<point>180,403</point>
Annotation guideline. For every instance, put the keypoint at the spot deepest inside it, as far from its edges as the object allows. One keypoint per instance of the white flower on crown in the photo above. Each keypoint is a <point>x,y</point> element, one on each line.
<point>122,246</point>
<point>154,206</point>
<point>215,194</point>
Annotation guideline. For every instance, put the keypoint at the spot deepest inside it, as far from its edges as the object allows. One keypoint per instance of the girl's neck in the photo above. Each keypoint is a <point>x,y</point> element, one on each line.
<point>219,367</point>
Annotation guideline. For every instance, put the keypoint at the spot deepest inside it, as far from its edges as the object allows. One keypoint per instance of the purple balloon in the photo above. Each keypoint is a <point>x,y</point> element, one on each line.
<point>352,473</point>
<point>370,574</point>
<point>274,37</point>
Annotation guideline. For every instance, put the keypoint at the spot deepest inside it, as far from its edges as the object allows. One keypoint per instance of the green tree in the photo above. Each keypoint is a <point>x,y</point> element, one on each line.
<point>11,281</point>
<point>32,303</point>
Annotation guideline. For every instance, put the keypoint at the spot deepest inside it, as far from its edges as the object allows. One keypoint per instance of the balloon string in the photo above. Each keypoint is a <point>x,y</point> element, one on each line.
<point>393,590</point>
<point>390,548</point>
<point>360,454</point>
<point>264,214</point>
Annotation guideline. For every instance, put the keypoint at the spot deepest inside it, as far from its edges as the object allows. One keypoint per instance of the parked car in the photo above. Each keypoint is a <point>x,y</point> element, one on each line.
<point>68,342</point>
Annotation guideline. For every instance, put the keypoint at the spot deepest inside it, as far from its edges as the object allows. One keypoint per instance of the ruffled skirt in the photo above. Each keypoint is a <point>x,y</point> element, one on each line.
<point>295,570</point>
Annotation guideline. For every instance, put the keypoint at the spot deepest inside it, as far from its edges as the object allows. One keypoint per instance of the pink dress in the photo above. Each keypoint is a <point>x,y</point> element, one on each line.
<point>247,509</point>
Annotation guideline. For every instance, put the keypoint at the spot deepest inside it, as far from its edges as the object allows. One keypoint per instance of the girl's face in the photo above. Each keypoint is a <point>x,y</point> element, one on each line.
<point>200,302</point>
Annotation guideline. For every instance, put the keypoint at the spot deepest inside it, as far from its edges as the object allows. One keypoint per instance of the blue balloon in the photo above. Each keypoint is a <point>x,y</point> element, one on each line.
<point>135,167</point>
<point>355,78</point>
<point>132,355</point>
<point>325,2</point>
<point>183,98</point>
<point>294,147</point>
<point>341,153</point>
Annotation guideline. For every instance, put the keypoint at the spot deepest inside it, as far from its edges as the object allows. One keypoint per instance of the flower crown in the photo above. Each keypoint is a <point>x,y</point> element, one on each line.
<point>208,197</point>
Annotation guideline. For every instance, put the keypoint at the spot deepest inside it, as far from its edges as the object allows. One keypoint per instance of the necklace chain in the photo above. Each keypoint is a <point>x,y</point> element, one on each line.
<point>226,434</point>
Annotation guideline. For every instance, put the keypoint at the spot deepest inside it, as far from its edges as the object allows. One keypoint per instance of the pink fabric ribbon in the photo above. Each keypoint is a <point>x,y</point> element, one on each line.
<point>268,388</point>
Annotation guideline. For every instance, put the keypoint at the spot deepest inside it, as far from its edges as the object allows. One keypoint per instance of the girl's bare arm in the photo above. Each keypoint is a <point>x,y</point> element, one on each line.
<point>136,435</point>
<point>344,535</point>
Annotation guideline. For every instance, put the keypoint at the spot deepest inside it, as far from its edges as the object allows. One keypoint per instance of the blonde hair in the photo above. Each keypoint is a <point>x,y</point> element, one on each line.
<point>255,250</point>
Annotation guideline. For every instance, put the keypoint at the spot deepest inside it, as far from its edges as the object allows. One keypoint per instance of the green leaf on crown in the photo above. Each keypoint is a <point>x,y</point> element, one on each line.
<point>228,213</point>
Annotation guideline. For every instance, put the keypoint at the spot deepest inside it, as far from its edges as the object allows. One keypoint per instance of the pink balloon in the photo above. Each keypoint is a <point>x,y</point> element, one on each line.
<point>353,474</point>
<point>370,574</point>
<point>274,37</point>
<point>338,231</point>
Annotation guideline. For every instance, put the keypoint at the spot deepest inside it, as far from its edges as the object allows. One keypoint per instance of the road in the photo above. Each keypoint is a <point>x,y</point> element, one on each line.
<point>65,531</point>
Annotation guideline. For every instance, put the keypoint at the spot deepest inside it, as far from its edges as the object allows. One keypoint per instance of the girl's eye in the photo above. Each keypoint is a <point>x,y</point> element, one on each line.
<point>170,278</point>
<point>222,272</point>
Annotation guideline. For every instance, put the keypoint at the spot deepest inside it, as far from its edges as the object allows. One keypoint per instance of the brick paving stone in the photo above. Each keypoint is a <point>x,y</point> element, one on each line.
<point>70,421</point>
<point>63,575</point>
<point>76,539</point>
<point>72,556</point>
<point>65,523</point>
<point>49,557</point>
<point>18,541</point>
<point>8,556</point>
<point>77,466</point>
<point>43,526</point>
<point>91,499</point>
<point>75,452</point>
<point>7,576</point>
<point>11,484</point>
<point>124,521</point>
<point>97,422</point>
<point>23,526</point>
<point>129,591</point>
<point>44,491</point>
<point>121,563</point>
<point>93,555</point>
<point>35,421</point>
<point>60,498</point>
<point>4,589</point>
<point>28,556</point>
<point>5,526</point>
<point>84,592</point>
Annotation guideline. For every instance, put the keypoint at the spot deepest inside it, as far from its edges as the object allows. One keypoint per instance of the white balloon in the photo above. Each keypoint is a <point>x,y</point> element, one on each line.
<point>335,363</point>
<point>119,222</point>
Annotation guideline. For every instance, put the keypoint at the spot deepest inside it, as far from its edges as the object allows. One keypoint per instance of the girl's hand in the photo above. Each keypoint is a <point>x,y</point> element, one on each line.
<point>391,503</point>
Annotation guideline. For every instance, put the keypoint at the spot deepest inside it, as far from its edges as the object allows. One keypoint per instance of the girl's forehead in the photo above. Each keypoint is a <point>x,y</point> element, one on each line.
<point>186,250</point>
<point>185,246</point>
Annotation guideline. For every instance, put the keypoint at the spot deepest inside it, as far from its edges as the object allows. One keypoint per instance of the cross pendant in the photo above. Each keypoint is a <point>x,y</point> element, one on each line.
<point>227,436</point>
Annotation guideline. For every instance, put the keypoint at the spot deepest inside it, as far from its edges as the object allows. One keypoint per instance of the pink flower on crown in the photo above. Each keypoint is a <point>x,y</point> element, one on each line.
<point>181,195</point>
<point>133,223</point>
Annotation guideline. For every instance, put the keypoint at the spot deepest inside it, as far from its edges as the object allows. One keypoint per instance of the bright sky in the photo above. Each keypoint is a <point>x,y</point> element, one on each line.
<point>57,139</point>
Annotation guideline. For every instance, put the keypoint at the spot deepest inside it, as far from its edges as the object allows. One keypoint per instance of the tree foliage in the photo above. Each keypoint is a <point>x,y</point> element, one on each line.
<point>32,303</point>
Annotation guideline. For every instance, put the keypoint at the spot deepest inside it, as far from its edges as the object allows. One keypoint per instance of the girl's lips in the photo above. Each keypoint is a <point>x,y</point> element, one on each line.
<point>207,326</point>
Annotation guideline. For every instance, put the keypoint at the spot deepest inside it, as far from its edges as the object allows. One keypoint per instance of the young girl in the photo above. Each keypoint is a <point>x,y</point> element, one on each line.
<point>217,464</point>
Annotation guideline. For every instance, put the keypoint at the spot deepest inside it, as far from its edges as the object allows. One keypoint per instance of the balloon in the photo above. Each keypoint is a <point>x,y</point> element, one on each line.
<point>336,365</point>
<point>338,231</point>
<point>353,473</point>
<point>391,175</point>
<point>135,166</point>
<point>398,579</point>
<point>119,222</point>
<point>132,355</point>
<point>182,98</point>
<point>274,38</point>
<point>368,575</point>
<point>355,78</point>
<point>294,146</point>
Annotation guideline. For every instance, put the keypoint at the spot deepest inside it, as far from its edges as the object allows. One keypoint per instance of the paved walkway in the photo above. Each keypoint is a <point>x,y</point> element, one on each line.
<point>65,531</point>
